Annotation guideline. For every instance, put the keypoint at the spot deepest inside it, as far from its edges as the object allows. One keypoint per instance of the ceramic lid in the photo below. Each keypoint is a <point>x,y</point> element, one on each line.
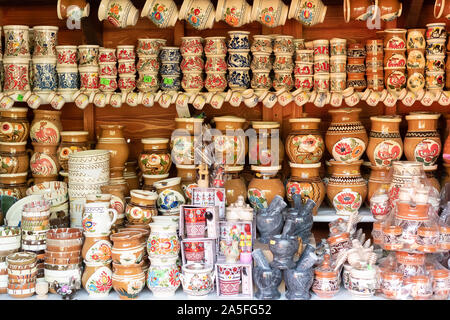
<point>396,30</point>
<point>422,115</point>
<point>387,118</point>
<point>266,169</point>
<point>228,119</point>
<point>74,133</point>
<point>233,168</point>
<point>154,140</point>
<point>167,183</point>
<point>306,165</point>
<point>265,124</point>
<point>195,267</point>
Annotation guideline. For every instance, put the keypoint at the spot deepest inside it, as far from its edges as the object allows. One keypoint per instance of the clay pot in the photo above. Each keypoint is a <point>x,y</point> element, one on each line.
<point>130,176</point>
<point>46,127</point>
<point>13,157</point>
<point>394,39</point>
<point>97,248</point>
<point>441,9</point>
<point>234,184</point>
<point>44,162</point>
<point>97,279</point>
<point>416,39</point>
<point>422,142</point>
<point>188,175</point>
<point>326,281</point>
<point>305,144</point>
<point>395,79</point>
<point>128,248</point>
<point>389,9</point>
<point>231,149</point>
<point>378,180</point>
<point>155,158</point>
<point>346,189</point>
<point>261,151</point>
<point>14,125</point>
<point>142,207</point>
<point>305,180</point>
<point>394,59</point>
<point>346,138</point>
<point>385,143</point>
<point>14,184</point>
<point>170,196</point>
<point>182,141</point>
<point>117,201</point>
<point>339,243</point>
<point>264,186</point>
<point>164,277</point>
<point>163,241</point>
<point>150,179</point>
<point>128,280</point>
<point>71,142</point>
<point>112,139</point>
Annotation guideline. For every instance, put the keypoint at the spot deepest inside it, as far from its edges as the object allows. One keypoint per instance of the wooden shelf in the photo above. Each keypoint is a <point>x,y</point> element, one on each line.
<point>327,214</point>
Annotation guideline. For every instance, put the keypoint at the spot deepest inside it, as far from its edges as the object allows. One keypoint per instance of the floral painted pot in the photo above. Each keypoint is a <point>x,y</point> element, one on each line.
<point>304,144</point>
<point>13,157</point>
<point>215,63</point>
<point>46,127</point>
<point>128,280</point>
<point>163,241</point>
<point>182,140</point>
<point>191,62</point>
<point>68,78</point>
<point>264,186</point>
<point>16,75</point>
<point>268,149</point>
<point>164,14</point>
<point>71,142</point>
<point>17,41</point>
<point>44,162</point>
<point>45,40</point>
<point>197,279</point>
<point>239,40</point>
<point>394,39</point>
<point>195,222</point>
<point>44,74</point>
<point>192,82</point>
<point>216,82</point>
<point>326,282</point>
<point>163,277</point>
<point>199,14</point>
<point>385,143</point>
<point>308,12</point>
<point>229,277</point>
<point>283,80</point>
<point>238,78</point>
<point>141,207</point>
<point>14,184</point>
<point>170,196</point>
<point>188,175</point>
<point>97,279</point>
<point>120,13</point>
<point>155,158</point>
<point>346,189</point>
<point>127,248</point>
<point>234,12</point>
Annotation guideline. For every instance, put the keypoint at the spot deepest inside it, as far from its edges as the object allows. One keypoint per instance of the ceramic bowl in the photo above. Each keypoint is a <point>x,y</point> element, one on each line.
<point>53,191</point>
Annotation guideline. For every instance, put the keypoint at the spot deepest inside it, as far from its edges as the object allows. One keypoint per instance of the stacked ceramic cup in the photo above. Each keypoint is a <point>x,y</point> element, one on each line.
<point>338,65</point>
<point>88,68</point>
<point>283,65</point>
<point>415,63</point>
<point>436,36</point>
<point>192,64</point>
<point>9,243</point>
<point>394,59</point>
<point>35,224</point>
<point>67,69</point>
<point>107,73</point>
<point>170,71</point>
<point>321,65</point>
<point>356,66</point>
<point>148,64</point>
<point>261,64</point>
<point>238,60</point>
<point>304,59</point>
<point>215,67</point>
<point>21,274</point>
<point>63,256</point>
<point>127,68</point>
<point>374,64</point>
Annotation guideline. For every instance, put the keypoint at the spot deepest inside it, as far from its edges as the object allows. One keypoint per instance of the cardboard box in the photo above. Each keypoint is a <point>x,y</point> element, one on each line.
<point>212,221</point>
<point>210,197</point>
<point>245,280</point>
<point>209,255</point>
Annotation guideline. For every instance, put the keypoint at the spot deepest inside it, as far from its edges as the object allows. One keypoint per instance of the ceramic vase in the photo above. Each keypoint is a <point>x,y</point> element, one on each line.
<point>128,281</point>
<point>304,143</point>
<point>163,277</point>
<point>264,186</point>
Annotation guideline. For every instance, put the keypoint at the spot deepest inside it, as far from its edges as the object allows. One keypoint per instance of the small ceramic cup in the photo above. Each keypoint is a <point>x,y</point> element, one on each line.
<point>88,55</point>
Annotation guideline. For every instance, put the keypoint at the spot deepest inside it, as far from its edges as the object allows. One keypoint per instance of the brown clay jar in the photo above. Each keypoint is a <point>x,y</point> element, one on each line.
<point>395,79</point>
<point>395,39</point>
<point>346,189</point>
<point>130,175</point>
<point>46,127</point>
<point>155,157</point>
<point>394,59</point>
<point>261,152</point>
<point>112,139</point>
<point>14,184</point>
<point>182,141</point>
<point>128,280</point>
<point>264,186</point>
<point>127,247</point>
<point>13,157</point>
<point>231,149</point>
<point>44,162</point>
<point>305,181</point>
<point>378,180</point>
<point>97,248</point>
<point>14,125</point>
<point>422,142</point>
<point>188,175</point>
<point>385,143</point>
<point>150,179</point>
<point>71,142</point>
<point>326,280</point>
<point>97,273</point>
<point>346,138</point>
<point>234,184</point>
<point>142,207</point>
<point>304,143</point>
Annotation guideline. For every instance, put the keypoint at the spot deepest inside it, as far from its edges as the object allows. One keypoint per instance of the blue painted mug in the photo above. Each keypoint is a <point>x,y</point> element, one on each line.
<point>44,74</point>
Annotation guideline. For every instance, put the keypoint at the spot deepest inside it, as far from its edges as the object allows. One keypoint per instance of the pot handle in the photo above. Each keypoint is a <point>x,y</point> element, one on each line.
<point>114,217</point>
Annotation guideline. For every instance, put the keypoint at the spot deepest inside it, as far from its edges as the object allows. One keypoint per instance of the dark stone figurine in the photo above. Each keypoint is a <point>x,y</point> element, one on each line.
<point>299,280</point>
<point>269,221</point>
<point>266,279</point>
<point>283,247</point>
<point>302,217</point>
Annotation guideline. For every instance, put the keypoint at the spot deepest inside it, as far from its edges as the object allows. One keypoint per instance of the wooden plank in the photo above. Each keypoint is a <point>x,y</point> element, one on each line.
<point>413,13</point>
<point>92,27</point>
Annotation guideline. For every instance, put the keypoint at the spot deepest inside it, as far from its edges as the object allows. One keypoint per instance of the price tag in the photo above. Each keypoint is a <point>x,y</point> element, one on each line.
<point>147,79</point>
<point>168,81</point>
<point>272,242</point>
<point>105,81</point>
<point>19,97</point>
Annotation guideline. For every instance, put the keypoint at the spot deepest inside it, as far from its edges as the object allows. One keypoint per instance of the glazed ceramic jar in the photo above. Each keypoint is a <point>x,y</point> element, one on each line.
<point>305,181</point>
<point>231,147</point>
<point>403,172</point>
<point>188,175</point>
<point>363,282</point>
<point>112,139</point>
<point>128,280</point>
<point>21,274</point>
<point>155,158</point>
<point>141,207</point>
<point>46,127</point>
<point>422,142</point>
<point>71,142</point>
<point>97,279</point>
<point>183,140</point>
<point>163,241</point>
<point>264,186</point>
<point>304,144</point>
<point>44,163</point>
<point>14,184</point>
<point>13,157</point>
<point>268,149</point>
<point>14,125</point>
<point>97,249</point>
<point>326,280</point>
<point>346,189</point>
<point>197,279</point>
<point>170,196</point>
<point>385,143</point>
<point>234,184</point>
<point>163,277</point>
<point>346,138</point>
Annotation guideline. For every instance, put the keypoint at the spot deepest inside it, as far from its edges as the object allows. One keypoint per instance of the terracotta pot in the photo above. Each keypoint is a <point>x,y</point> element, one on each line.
<point>127,247</point>
<point>389,9</point>
<point>230,149</point>
<point>267,136</point>
<point>71,142</point>
<point>378,180</point>
<point>264,186</point>
<point>394,59</point>
<point>14,125</point>
<point>305,180</point>
<point>305,144</point>
<point>182,141</point>
<point>422,142</point>
<point>326,281</point>
<point>385,143</point>
<point>346,189</point>
<point>441,9</point>
<point>44,162</point>
<point>46,127</point>
<point>13,157</point>
<point>394,39</point>
<point>117,201</point>
<point>188,175</point>
<point>14,184</point>
<point>234,184</point>
<point>97,279</point>
<point>112,139</point>
<point>170,196</point>
<point>155,158</point>
<point>346,138</point>
<point>97,248</point>
<point>141,207</point>
<point>128,280</point>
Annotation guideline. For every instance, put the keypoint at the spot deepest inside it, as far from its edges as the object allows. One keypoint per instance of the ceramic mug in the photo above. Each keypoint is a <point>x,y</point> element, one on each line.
<point>107,55</point>
<point>149,47</point>
<point>98,218</point>
<point>238,78</point>
<point>163,13</point>
<point>261,44</point>
<point>17,41</point>
<point>200,14</point>
<point>88,55</point>
<point>238,59</point>
<point>215,46</point>
<point>68,78</point>
<point>308,12</point>
<point>271,13</point>
<point>66,55</point>
<point>125,52</point>
<point>44,74</point>
<point>239,40</point>
<point>120,13</point>
<point>234,12</point>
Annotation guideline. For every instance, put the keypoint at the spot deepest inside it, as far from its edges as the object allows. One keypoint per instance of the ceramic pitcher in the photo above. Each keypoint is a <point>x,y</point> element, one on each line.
<point>97,218</point>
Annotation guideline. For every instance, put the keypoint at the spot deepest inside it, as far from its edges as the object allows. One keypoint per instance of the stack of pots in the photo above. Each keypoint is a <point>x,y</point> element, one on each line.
<point>356,67</point>
<point>304,59</point>
<point>415,63</point>
<point>14,135</point>
<point>127,68</point>
<point>45,134</point>
<point>436,35</point>
<point>21,274</point>
<point>394,59</point>
<point>10,243</point>
<point>192,64</point>
<point>35,224</point>
<point>261,64</point>
<point>374,64</point>
<point>170,70</point>
<point>238,60</point>
<point>63,256</point>
<point>216,67</point>
<point>107,61</point>
<point>148,64</point>
<point>67,69</point>
<point>88,68</point>
<point>283,65</point>
<point>338,65</point>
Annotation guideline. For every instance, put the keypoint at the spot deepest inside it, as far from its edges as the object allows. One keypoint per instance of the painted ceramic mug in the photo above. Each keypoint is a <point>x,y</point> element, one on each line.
<point>200,14</point>
<point>163,13</point>
<point>97,218</point>
<point>120,13</point>
<point>234,12</point>
<point>271,13</point>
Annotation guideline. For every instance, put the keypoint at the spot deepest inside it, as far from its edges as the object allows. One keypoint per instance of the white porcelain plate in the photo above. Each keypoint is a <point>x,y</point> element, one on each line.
<point>14,214</point>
